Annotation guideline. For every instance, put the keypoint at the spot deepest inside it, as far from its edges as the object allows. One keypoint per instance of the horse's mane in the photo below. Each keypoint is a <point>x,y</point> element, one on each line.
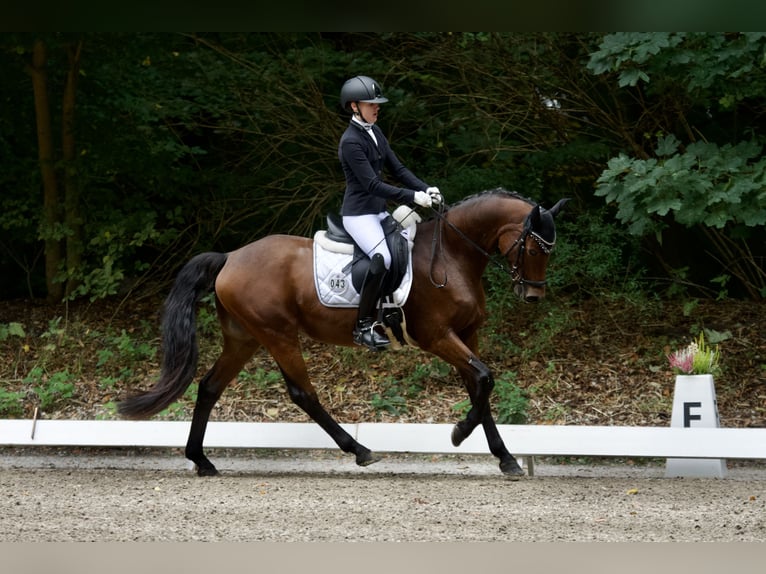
<point>496,191</point>
<point>545,227</point>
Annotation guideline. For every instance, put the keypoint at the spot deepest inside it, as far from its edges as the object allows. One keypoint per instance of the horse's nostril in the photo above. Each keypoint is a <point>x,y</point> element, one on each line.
<point>531,298</point>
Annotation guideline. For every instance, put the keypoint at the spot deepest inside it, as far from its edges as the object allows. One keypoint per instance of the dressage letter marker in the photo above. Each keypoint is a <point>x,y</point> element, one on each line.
<point>695,406</point>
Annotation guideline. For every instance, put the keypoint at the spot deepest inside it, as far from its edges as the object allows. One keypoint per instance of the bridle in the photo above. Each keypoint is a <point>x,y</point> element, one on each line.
<point>515,270</point>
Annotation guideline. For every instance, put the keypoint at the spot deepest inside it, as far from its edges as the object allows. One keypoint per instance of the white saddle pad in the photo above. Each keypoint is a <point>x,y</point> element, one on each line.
<point>333,284</point>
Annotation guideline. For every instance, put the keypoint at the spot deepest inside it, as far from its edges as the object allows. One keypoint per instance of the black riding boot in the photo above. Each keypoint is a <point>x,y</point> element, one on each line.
<point>364,332</point>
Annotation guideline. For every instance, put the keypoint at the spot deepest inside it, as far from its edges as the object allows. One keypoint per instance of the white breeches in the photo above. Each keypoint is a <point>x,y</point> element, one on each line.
<point>368,234</point>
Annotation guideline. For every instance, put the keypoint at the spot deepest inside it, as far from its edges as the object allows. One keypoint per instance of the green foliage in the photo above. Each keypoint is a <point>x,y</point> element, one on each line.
<point>50,389</point>
<point>181,409</point>
<point>395,395</point>
<point>462,407</point>
<point>730,64</point>
<point>11,403</point>
<point>131,350</point>
<point>109,412</point>
<point>503,304</point>
<point>207,317</point>
<point>8,330</point>
<point>55,335</point>
<point>627,52</point>
<point>716,188</point>
<point>390,401</point>
<point>594,256</point>
<point>261,378</point>
<point>434,369</point>
<point>695,156</point>
<point>511,402</point>
<point>115,251</point>
<point>123,356</point>
<point>120,357</point>
<point>707,184</point>
<point>192,141</point>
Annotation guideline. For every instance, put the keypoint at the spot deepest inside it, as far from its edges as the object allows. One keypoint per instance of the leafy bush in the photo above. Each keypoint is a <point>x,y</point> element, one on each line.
<point>512,401</point>
<point>718,189</point>
<point>11,403</point>
<point>393,399</point>
<point>706,184</point>
<point>594,256</point>
<point>690,167</point>
<point>50,389</point>
<point>8,330</point>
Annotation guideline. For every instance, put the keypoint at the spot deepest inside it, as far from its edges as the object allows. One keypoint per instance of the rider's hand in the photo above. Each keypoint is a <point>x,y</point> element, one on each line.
<point>423,199</point>
<point>436,196</point>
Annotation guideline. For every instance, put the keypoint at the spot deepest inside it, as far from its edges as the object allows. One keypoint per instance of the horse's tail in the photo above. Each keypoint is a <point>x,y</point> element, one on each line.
<point>179,337</point>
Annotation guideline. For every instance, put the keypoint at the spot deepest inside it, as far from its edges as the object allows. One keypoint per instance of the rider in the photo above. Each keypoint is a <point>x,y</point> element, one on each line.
<point>364,152</point>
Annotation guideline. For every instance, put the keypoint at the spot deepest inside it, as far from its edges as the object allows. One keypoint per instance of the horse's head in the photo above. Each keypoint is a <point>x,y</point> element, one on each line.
<point>528,255</point>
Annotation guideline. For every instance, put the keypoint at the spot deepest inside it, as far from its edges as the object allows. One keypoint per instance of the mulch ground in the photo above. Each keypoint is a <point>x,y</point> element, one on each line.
<point>595,362</point>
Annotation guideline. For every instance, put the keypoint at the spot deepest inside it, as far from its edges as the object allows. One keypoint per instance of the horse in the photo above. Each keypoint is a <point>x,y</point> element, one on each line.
<point>265,297</point>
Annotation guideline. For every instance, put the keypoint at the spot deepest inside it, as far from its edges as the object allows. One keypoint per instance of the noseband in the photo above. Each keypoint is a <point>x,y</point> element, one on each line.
<point>515,271</point>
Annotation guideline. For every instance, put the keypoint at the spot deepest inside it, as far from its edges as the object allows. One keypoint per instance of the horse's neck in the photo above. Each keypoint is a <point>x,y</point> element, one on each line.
<point>483,221</point>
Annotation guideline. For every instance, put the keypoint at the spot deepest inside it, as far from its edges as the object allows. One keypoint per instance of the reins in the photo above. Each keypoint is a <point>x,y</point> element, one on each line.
<point>436,241</point>
<point>513,272</point>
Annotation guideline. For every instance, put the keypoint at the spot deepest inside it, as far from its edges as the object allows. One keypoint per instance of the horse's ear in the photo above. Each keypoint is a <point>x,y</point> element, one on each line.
<point>556,208</point>
<point>533,219</point>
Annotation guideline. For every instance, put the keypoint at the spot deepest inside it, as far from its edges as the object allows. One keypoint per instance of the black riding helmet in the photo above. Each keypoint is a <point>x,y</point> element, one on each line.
<point>360,89</point>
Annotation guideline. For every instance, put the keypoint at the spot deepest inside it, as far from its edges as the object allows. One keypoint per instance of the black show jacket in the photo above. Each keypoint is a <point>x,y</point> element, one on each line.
<point>363,163</point>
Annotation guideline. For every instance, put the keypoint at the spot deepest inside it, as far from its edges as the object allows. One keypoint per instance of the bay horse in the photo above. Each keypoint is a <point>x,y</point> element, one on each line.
<point>265,296</point>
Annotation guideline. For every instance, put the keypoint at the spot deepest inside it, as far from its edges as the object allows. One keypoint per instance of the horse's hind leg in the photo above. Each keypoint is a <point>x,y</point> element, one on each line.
<point>287,354</point>
<point>235,355</point>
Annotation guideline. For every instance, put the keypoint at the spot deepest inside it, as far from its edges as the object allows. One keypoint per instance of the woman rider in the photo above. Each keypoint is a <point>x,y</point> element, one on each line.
<point>364,152</point>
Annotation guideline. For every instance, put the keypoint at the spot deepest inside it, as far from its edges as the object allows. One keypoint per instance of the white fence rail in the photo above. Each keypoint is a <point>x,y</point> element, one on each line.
<point>521,440</point>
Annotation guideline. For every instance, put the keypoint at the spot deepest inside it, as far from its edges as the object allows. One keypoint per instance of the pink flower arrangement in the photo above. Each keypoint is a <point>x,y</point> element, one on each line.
<point>695,359</point>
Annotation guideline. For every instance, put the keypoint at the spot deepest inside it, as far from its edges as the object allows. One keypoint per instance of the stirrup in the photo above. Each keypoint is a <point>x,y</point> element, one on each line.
<point>365,334</point>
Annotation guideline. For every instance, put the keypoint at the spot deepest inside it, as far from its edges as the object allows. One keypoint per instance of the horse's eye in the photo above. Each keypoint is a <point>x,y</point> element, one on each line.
<point>533,252</point>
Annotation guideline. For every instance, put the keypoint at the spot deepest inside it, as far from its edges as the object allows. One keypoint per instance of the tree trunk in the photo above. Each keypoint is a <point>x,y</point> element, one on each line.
<point>51,219</point>
<point>72,218</point>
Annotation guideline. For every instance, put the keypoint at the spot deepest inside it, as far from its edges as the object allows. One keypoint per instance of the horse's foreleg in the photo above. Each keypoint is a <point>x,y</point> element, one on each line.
<point>508,464</point>
<point>479,384</point>
<point>477,387</point>
<point>303,394</point>
<point>477,377</point>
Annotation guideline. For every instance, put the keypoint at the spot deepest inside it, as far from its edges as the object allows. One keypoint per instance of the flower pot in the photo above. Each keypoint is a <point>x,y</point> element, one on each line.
<point>695,406</point>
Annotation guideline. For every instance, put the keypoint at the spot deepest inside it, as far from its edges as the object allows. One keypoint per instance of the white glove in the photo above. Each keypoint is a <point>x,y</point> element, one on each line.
<point>436,196</point>
<point>423,199</point>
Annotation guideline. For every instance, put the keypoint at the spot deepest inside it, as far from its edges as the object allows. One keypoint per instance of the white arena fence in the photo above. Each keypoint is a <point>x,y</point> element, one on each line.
<point>524,441</point>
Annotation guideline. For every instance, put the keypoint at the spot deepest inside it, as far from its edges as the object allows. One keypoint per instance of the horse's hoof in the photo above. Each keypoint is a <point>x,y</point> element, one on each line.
<point>207,471</point>
<point>457,436</point>
<point>366,458</point>
<point>511,468</point>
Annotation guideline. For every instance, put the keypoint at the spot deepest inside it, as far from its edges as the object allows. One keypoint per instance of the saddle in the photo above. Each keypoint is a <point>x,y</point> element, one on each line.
<point>340,266</point>
<point>398,246</point>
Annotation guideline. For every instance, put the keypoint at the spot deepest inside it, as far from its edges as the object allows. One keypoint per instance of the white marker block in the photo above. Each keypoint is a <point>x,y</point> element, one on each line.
<point>695,406</point>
